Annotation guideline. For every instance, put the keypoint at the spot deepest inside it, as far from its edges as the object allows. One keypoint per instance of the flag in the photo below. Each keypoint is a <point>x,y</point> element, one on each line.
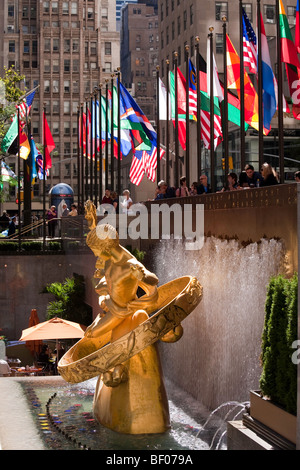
<point>163,103</point>
<point>24,149</point>
<point>48,143</point>
<point>234,82</point>
<point>126,143</point>
<point>268,80</point>
<point>7,175</point>
<point>25,106</point>
<point>11,134</point>
<point>34,155</point>
<point>132,117</point>
<point>138,167</point>
<point>249,45</point>
<point>218,96</point>
<point>290,58</point>
<point>297,28</point>
<point>40,167</point>
<point>151,162</point>
<point>181,106</point>
<point>192,91</point>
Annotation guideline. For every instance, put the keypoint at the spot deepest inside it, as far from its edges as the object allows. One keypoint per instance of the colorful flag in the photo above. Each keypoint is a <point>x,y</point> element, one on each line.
<point>151,162</point>
<point>34,155</point>
<point>132,117</point>
<point>268,80</point>
<point>25,106</point>
<point>7,175</point>
<point>297,27</point>
<point>24,150</point>
<point>234,82</point>
<point>11,134</point>
<point>192,92</point>
<point>126,143</point>
<point>181,106</point>
<point>290,58</point>
<point>49,144</point>
<point>249,45</point>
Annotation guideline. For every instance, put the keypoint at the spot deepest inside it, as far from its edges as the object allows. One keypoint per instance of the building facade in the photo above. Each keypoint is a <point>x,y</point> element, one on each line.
<point>180,23</point>
<point>67,48</point>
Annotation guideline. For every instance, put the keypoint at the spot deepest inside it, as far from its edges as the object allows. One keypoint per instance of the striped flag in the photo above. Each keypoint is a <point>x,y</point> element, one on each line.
<point>138,167</point>
<point>249,45</point>
<point>25,106</point>
<point>192,92</point>
<point>151,162</point>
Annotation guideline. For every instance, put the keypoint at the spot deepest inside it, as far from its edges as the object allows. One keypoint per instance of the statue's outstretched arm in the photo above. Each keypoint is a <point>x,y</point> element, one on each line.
<point>90,214</point>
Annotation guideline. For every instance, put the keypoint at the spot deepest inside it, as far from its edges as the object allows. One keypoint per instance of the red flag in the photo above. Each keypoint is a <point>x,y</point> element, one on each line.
<point>48,144</point>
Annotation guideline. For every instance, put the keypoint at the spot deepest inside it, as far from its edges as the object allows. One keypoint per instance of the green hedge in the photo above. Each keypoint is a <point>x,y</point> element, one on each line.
<point>279,375</point>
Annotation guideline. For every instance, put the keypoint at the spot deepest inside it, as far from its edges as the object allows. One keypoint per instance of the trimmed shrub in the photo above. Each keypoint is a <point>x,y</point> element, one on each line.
<point>279,375</point>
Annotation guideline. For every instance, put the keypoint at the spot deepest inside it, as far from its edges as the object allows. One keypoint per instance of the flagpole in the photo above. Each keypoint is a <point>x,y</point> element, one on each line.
<point>100,142</point>
<point>86,152</point>
<point>212,113</point>
<point>44,180</point>
<point>91,147</point>
<point>167,126</point>
<point>79,148</point>
<point>176,173</point>
<point>27,180</point>
<point>242,99</point>
<point>119,132</point>
<point>198,108</point>
<point>112,162</point>
<point>157,125</point>
<point>80,163</point>
<point>260,93</point>
<point>96,151</point>
<point>106,125</point>
<point>280,98</point>
<point>225,111</point>
<point>187,154</point>
<point>19,184</point>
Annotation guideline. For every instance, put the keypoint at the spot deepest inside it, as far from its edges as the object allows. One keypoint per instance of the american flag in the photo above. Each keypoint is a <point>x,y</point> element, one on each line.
<point>144,163</point>
<point>249,45</point>
<point>25,106</point>
<point>205,129</point>
<point>138,167</point>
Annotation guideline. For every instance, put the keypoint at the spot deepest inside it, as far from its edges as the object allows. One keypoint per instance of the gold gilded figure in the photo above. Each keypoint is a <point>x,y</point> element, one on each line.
<point>120,345</point>
<point>120,276</point>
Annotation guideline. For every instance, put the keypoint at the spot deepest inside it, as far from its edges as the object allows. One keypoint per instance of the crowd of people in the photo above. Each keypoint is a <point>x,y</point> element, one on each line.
<point>248,178</point>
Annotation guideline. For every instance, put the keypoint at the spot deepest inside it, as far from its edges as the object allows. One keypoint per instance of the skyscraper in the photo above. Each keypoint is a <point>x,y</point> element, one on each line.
<point>67,48</point>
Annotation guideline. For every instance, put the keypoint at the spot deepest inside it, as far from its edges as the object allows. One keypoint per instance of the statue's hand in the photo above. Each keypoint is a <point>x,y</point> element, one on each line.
<point>138,271</point>
<point>174,335</point>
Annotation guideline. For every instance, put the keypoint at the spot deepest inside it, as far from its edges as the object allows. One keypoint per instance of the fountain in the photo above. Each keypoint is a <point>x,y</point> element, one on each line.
<point>120,345</point>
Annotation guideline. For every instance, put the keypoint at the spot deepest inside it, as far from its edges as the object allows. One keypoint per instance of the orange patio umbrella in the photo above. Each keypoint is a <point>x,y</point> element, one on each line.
<point>34,346</point>
<point>55,328</point>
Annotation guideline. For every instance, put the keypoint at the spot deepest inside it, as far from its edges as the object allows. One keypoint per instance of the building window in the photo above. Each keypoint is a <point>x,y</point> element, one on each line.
<point>291,14</point>
<point>11,46</point>
<point>11,11</point>
<point>65,8</point>
<point>55,85</point>
<point>221,10</point>
<point>46,7</point>
<point>67,45</point>
<point>55,106</point>
<point>67,86</point>
<point>74,8</point>
<point>107,66</point>
<point>55,65</point>
<point>34,47</point>
<point>75,65</point>
<point>184,20</point>
<point>67,65</point>
<point>75,45</point>
<point>46,65</point>
<point>25,11</point>
<point>192,14</point>
<point>47,86</point>
<point>270,13</point>
<point>104,13</point>
<point>66,127</point>
<point>108,48</point>
<point>219,43</point>
<point>54,7</point>
<point>67,107</point>
<point>248,10</point>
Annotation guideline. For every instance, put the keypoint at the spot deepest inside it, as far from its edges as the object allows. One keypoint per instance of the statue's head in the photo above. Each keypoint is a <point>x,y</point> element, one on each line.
<point>103,239</point>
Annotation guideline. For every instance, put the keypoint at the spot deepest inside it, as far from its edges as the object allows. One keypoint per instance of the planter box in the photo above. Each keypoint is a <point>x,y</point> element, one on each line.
<point>272,416</point>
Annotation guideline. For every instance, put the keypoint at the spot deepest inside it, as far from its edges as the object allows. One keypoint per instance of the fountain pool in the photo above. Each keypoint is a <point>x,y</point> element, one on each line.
<point>62,415</point>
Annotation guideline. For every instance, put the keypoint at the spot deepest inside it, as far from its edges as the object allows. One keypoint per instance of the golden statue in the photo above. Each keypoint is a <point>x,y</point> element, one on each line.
<point>120,345</point>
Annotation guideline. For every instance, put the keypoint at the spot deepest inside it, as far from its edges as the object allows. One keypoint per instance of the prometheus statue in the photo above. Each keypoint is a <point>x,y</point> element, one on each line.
<point>120,345</point>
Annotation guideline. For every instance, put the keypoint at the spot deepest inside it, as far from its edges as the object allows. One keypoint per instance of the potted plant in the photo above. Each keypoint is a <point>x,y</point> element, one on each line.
<point>275,405</point>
